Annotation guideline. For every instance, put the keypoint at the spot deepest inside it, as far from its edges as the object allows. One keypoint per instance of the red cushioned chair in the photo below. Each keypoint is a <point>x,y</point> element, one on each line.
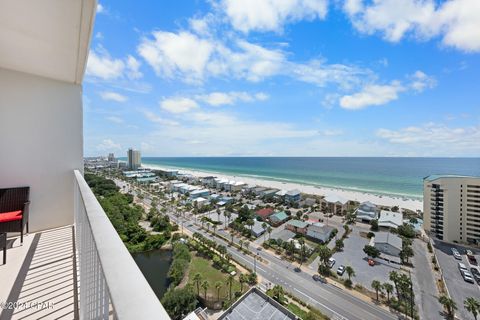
<point>14,204</point>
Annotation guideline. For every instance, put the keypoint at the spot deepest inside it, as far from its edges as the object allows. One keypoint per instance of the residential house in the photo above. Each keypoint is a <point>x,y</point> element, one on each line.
<point>319,232</point>
<point>278,218</point>
<point>366,212</point>
<point>258,191</point>
<point>199,193</point>
<point>269,193</point>
<point>297,226</point>
<point>257,229</point>
<point>264,213</point>
<point>387,243</point>
<point>293,196</point>
<point>309,202</point>
<point>334,204</point>
<point>389,219</point>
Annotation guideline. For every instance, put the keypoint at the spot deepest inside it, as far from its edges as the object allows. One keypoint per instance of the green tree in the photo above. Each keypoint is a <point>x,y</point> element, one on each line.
<point>205,286</point>
<point>264,226</point>
<point>472,305</point>
<point>388,289</point>
<point>269,230</point>
<point>324,253</point>
<point>448,304</point>
<point>377,286</point>
<point>243,279</point>
<point>350,272</point>
<point>179,302</point>
<point>371,251</point>
<point>278,293</point>
<point>339,245</point>
<point>197,278</point>
<point>374,225</point>
<point>230,282</point>
<point>218,286</point>
<point>406,253</point>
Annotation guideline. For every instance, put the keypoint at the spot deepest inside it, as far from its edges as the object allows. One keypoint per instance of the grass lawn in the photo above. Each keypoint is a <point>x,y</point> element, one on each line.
<point>212,275</point>
<point>299,312</point>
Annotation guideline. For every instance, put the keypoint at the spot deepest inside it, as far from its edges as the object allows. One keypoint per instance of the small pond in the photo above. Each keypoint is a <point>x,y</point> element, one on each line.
<point>154,266</point>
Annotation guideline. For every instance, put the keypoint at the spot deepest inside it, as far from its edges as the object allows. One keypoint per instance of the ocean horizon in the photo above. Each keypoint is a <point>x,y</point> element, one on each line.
<point>390,176</point>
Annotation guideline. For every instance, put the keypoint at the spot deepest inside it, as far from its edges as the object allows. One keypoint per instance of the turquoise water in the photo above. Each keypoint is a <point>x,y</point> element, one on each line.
<point>388,176</point>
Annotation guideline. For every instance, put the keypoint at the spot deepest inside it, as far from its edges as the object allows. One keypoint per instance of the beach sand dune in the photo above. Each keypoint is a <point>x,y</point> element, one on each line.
<point>383,200</point>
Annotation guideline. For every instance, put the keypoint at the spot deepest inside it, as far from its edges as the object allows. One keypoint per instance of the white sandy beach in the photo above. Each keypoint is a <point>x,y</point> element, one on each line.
<point>315,190</point>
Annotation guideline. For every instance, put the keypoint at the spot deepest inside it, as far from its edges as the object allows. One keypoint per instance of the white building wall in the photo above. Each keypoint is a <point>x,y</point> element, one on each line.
<point>41,143</point>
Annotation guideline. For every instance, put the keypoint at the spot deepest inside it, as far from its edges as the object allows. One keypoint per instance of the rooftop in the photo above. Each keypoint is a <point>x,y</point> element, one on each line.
<point>390,219</point>
<point>391,239</point>
<point>446,176</point>
<point>256,305</point>
<point>279,216</point>
<point>298,223</point>
<point>264,212</point>
<point>293,192</point>
<point>335,199</point>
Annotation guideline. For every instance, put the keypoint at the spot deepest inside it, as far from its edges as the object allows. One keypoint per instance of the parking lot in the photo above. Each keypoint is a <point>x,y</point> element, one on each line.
<point>458,288</point>
<point>353,255</point>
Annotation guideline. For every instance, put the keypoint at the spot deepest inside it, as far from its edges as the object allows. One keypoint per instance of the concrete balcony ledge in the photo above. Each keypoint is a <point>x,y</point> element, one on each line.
<point>80,271</point>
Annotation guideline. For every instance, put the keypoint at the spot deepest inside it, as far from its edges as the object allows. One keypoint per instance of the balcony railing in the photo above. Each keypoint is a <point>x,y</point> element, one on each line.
<point>111,285</point>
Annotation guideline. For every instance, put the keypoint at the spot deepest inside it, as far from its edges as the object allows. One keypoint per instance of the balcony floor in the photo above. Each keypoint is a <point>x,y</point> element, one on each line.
<point>40,276</point>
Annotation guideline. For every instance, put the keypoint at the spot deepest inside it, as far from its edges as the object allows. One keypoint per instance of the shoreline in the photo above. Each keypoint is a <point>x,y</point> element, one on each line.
<point>361,196</point>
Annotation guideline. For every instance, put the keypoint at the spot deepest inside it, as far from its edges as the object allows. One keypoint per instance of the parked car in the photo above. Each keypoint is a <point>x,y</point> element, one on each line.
<point>472,260</point>
<point>341,270</point>
<point>469,253</point>
<point>456,254</point>
<point>467,276</point>
<point>331,262</point>
<point>462,267</point>
<point>475,274</point>
<point>371,262</point>
<point>318,278</point>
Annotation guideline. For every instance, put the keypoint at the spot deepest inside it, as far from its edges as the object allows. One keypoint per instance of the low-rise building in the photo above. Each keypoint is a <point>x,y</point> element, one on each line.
<point>366,212</point>
<point>390,219</point>
<point>259,190</point>
<point>334,204</point>
<point>297,226</point>
<point>319,232</point>
<point>387,243</point>
<point>293,196</point>
<point>199,193</point>
<point>264,213</point>
<point>308,202</point>
<point>278,218</point>
<point>200,201</point>
<point>269,193</point>
<point>257,228</point>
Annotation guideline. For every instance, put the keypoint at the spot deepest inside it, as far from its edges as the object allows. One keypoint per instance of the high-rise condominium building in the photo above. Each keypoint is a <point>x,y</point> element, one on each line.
<point>134,159</point>
<point>451,206</point>
<point>111,157</point>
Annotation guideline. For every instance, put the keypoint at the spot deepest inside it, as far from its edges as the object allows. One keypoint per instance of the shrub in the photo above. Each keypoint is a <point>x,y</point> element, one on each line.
<point>370,235</point>
<point>348,283</point>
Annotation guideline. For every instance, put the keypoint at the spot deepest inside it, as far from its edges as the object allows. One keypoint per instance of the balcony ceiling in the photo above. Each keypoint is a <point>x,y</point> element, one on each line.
<point>49,38</point>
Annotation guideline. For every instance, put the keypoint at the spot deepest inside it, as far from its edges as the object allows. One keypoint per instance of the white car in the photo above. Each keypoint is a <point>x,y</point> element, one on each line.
<point>467,276</point>
<point>462,267</point>
<point>456,254</point>
<point>330,262</point>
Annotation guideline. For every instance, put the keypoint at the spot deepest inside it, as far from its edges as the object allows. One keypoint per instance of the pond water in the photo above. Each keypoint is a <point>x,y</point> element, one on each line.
<point>154,266</point>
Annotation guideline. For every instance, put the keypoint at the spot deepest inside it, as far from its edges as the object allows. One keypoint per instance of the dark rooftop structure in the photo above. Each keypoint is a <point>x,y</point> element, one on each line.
<point>256,305</point>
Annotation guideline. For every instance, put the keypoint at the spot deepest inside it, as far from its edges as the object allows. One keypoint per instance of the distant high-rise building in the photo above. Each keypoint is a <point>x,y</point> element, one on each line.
<point>451,206</point>
<point>111,157</point>
<point>134,159</point>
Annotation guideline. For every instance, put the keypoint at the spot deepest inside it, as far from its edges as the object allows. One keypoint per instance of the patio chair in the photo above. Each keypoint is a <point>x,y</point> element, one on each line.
<point>14,203</point>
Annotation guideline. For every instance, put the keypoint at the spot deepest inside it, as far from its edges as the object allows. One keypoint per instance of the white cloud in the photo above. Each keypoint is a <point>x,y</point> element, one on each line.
<point>447,140</point>
<point>372,95</point>
<point>115,119</point>
<point>100,8</point>
<point>170,54</point>
<point>133,66</point>
<point>108,145</point>
<point>101,65</point>
<point>420,81</point>
<point>271,15</point>
<point>113,96</point>
<point>230,98</point>
<point>178,104</point>
<point>156,119</point>
<point>456,22</point>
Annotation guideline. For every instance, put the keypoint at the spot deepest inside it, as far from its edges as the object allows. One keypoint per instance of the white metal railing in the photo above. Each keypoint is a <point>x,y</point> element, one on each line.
<point>111,285</point>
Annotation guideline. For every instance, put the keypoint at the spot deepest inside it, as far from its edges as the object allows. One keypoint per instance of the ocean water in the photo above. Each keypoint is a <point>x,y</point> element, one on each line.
<point>387,176</point>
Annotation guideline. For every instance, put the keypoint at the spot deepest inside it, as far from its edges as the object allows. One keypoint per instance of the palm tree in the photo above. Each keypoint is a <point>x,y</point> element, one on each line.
<point>230,282</point>
<point>269,230</point>
<point>388,289</point>
<point>264,226</point>
<point>197,278</point>
<point>240,242</point>
<point>205,286</point>
<point>448,304</point>
<point>231,235</point>
<point>228,256</point>
<point>393,276</point>
<point>247,243</point>
<point>301,241</point>
<point>377,286</point>
<point>243,279</point>
<point>214,227</point>
<point>218,286</point>
<point>472,305</point>
<point>324,254</point>
<point>350,272</point>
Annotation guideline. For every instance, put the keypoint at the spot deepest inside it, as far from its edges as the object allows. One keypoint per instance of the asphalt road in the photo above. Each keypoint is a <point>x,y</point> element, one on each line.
<point>331,300</point>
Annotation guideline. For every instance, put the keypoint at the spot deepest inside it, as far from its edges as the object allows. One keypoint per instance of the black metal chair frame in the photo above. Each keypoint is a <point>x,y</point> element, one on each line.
<point>13,199</point>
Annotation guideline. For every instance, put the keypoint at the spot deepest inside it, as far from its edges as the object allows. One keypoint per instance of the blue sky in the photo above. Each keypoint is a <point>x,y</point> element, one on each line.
<point>284,78</point>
